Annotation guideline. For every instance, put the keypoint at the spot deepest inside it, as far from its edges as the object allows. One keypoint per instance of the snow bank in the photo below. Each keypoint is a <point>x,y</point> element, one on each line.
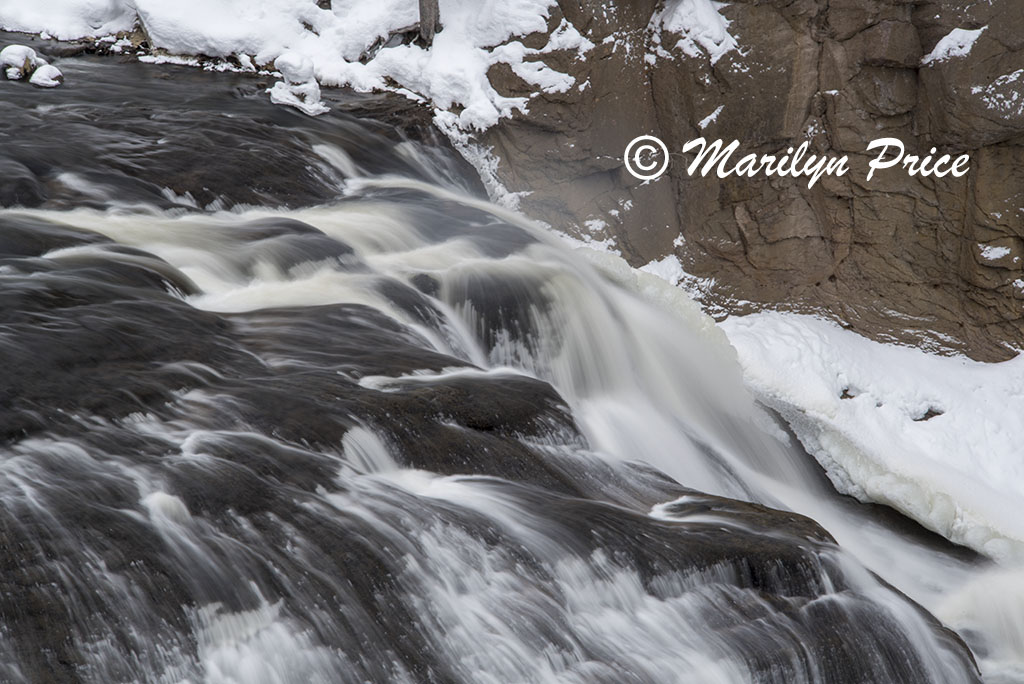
<point>67,19</point>
<point>701,26</point>
<point>957,43</point>
<point>452,73</point>
<point>937,438</point>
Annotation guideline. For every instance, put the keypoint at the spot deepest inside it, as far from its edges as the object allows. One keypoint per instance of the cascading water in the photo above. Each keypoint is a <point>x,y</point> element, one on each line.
<point>406,436</point>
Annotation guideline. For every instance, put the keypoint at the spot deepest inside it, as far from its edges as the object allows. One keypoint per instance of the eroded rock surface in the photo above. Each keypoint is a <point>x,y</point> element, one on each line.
<point>936,262</point>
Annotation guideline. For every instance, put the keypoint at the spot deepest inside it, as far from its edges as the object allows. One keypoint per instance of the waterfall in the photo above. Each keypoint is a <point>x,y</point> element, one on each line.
<point>406,436</point>
<point>326,415</point>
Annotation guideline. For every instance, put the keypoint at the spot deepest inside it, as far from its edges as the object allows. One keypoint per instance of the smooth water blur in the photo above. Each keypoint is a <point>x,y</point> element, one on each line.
<point>404,435</point>
<point>646,383</point>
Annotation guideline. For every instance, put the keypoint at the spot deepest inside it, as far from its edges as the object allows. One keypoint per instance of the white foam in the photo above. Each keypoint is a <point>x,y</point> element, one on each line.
<point>164,506</point>
<point>991,603</point>
<point>262,646</point>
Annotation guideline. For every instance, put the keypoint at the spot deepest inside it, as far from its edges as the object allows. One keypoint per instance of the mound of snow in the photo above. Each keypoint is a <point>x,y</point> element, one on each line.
<point>701,26</point>
<point>957,43</point>
<point>47,76</point>
<point>18,61</point>
<point>295,67</point>
<point>299,88</point>
<point>937,438</point>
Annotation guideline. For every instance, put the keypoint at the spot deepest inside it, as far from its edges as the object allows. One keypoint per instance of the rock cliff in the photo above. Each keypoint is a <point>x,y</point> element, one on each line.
<point>934,262</point>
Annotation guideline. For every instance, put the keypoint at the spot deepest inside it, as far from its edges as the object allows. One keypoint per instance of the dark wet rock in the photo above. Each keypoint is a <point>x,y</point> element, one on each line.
<point>23,236</point>
<point>349,339</point>
<point>426,284</point>
<point>20,187</point>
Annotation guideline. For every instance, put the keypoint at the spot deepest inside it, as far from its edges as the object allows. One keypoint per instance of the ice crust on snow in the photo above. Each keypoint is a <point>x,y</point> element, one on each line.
<point>936,438</point>
<point>303,96</point>
<point>957,43</point>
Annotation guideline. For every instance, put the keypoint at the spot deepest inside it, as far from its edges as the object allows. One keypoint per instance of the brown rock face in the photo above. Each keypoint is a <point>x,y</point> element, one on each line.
<point>932,261</point>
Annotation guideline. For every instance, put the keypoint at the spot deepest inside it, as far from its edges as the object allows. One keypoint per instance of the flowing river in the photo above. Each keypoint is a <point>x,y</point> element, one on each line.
<point>287,400</point>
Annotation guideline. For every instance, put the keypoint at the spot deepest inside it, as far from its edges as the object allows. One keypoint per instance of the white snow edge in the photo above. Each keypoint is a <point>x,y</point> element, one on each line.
<point>957,43</point>
<point>933,437</point>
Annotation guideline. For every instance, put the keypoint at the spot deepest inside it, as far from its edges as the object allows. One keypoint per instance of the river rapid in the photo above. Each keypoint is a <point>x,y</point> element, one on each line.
<point>288,400</point>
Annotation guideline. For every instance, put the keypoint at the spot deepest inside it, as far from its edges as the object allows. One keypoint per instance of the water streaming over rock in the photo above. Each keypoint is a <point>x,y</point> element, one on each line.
<point>399,435</point>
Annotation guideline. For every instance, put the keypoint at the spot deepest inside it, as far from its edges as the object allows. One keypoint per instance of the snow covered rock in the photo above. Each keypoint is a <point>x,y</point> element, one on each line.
<point>18,61</point>
<point>299,88</point>
<point>957,43</point>
<point>46,76</point>
<point>295,67</point>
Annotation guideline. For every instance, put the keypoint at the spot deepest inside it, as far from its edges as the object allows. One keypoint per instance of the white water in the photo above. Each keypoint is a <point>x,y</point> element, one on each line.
<point>648,377</point>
